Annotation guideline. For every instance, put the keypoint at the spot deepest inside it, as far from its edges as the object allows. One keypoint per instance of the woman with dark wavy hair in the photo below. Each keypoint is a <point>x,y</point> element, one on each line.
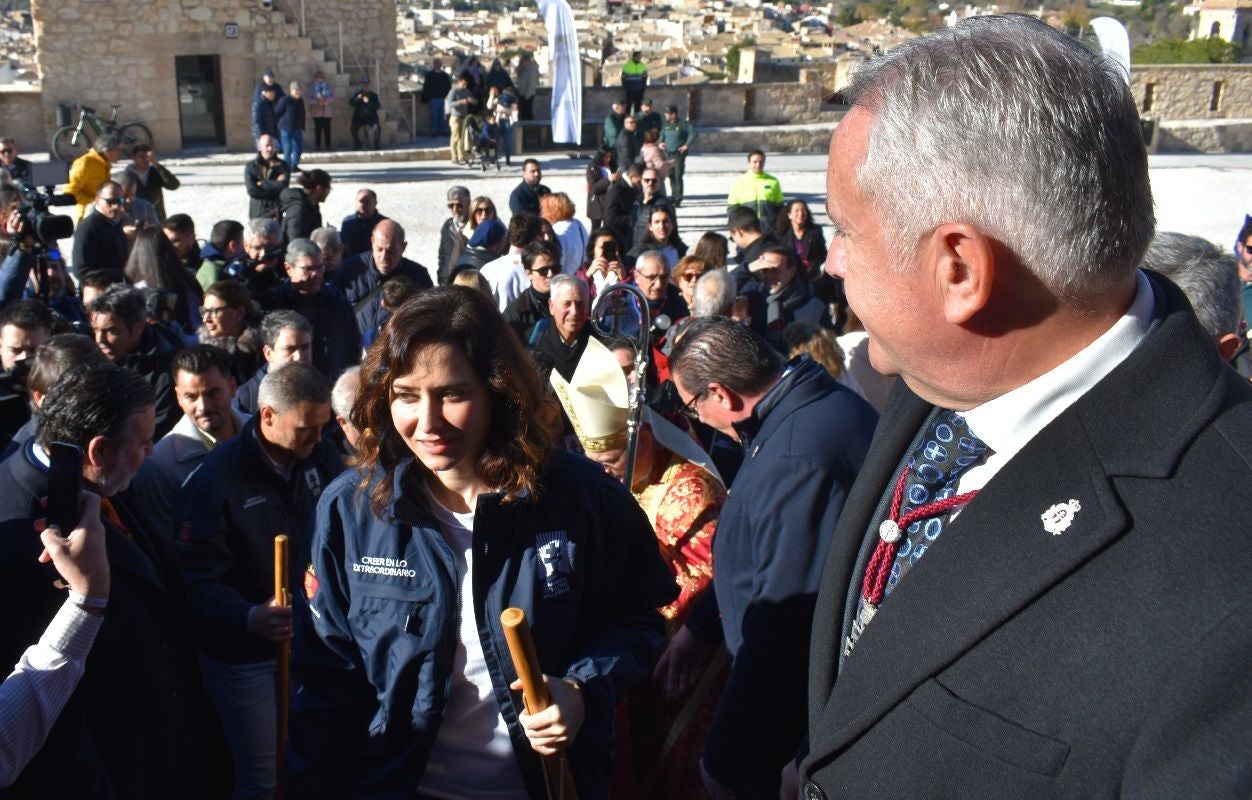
<point>458,508</point>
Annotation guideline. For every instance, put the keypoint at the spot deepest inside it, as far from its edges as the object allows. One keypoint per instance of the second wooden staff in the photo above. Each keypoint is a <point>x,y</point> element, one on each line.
<point>535,695</point>
<point>283,598</point>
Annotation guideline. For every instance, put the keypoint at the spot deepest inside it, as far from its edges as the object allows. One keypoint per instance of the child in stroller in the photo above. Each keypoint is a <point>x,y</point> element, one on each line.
<point>484,136</point>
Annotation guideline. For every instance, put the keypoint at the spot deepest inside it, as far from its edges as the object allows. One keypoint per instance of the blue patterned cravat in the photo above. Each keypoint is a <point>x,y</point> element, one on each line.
<point>947,449</point>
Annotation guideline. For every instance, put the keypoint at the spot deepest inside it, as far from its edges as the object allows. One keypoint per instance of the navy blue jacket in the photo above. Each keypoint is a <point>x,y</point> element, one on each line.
<point>373,661</point>
<point>355,233</point>
<point>526,198</point>
<point>803,446</point>
<point>336,337</point>
<point>289,113</point>
<point>135,727</point>
<point>361,282</point>
<point>264,117</point>
<point>229,510</point>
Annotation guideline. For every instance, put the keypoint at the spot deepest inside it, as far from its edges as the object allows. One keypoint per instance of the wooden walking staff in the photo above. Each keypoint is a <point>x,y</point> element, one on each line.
<point>556,772</point>
<point>283,598</point>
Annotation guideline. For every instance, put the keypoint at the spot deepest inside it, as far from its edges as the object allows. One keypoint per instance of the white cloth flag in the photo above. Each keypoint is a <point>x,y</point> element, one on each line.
<point>567,86</point>
<point>1114,41</point>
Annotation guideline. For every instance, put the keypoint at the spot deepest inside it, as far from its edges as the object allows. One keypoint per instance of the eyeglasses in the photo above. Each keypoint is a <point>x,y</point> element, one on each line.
<point>216,311</point>
<point>456,205</point>
<point>689,410</point>
<point>307,269</point>
<point>649,180</point>
<point>10,151</point>
<point>660,276</point>
<point>546,272</point>
<point>481,210</point>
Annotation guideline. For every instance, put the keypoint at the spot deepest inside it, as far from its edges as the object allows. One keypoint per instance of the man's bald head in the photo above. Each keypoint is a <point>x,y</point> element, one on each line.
<point>387,243</point>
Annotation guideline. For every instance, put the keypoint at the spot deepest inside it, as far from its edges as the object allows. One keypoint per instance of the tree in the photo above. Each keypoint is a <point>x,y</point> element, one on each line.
<point>732,55</point>
<point>1183,51</point>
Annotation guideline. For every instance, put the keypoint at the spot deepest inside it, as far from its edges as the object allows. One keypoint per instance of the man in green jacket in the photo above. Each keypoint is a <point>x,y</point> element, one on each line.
<point>677,136</point>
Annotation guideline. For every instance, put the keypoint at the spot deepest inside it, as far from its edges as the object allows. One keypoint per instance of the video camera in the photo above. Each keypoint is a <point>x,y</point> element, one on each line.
<point>46,228</point>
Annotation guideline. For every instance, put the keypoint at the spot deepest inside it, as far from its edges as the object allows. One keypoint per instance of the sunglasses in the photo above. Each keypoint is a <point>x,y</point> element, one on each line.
<point>217,311</point>
<point>7,152</point>
<point>690,276</point>
<point>649,180</point>
<point>112,201</point>
<point>546,272</point>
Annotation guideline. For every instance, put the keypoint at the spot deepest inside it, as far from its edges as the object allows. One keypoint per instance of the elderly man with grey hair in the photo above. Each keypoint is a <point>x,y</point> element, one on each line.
<point>451,235</point>
<point>1081,630</point>
<point>336,337</point>
<point>262,482</point>
<point>342,398</point>
<point>263,246</point>
<point>1209,277</point>
<point>327,238</point>
<point>715,294</point>
<point>564,335</point>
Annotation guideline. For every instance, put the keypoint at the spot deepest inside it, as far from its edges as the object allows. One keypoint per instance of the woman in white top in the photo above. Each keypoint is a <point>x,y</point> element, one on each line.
<point>558,209</point>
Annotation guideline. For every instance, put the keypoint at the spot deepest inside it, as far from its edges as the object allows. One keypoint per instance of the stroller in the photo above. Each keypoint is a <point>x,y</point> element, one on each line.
<point>482,140</point>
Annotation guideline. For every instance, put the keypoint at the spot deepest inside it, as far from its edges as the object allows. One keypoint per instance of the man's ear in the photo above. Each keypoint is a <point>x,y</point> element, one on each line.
<point>267,415</point>
<point>964,269</point>
<point>729,398</point>
<point>1228,345</point>
<point>98,453</point>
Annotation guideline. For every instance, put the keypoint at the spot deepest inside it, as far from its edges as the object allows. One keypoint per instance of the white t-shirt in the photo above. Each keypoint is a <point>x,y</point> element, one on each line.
<point>472,756</point>
<point>506,277</point>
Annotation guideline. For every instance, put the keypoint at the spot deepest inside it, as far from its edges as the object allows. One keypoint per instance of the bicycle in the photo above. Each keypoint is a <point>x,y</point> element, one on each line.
<point>71,141</point>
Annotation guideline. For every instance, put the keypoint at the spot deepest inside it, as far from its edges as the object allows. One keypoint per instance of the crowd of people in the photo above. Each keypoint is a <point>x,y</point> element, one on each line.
<point>711,497</point>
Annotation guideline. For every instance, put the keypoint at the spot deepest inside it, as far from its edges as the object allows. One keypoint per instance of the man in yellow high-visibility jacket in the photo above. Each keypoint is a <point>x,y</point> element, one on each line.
<point>634,81</point>
<point>758,190</point>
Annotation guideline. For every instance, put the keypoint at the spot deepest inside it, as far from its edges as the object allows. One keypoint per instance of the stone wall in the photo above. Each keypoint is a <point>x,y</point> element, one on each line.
<point>22,112</point>
<point>1185,91</point>
<point>104,52</point>
<point>1234,136</point>
<point>721,107</point>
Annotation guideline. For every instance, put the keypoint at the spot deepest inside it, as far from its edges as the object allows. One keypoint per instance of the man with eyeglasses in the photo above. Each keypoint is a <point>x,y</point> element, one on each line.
<point>540,260</point>
<point>336,335</point>
<point>1243,249</point>
<point>652,198</point>
<point>99,241</point>
<point>90,171</point>
<point>16,169</point>
<point>652,276</point>
<point>451,238</point>
<point>804,437</point>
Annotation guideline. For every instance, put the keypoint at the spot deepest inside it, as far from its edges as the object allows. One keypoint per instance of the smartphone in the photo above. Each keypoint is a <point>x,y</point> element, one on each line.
<point>65,478</point>
<point>609,250</point>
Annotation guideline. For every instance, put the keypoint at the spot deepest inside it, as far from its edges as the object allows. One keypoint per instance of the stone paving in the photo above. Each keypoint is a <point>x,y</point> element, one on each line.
<point>1205,195</point>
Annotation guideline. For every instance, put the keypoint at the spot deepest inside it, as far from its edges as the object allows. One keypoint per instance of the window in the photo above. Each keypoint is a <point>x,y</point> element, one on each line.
<point>1215,102</point>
